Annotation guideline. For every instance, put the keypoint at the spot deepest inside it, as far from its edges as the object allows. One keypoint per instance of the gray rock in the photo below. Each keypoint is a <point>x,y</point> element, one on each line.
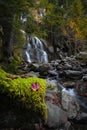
<point>33,66</point>
<point>84,77</point>
<point>72,74</point>
<point>69,84</point>
<point>69,104</point>
<point>33,74</point>
<point>52,72</point>
<point>56,116</point>
<point>84,70</point>
<point>67,66</point>
<point>51,85</point>
<point>43,69</point>
<point>82,116</point>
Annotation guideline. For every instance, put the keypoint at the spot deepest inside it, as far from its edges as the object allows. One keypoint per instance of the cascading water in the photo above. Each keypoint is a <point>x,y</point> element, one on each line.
<point>33,51</point>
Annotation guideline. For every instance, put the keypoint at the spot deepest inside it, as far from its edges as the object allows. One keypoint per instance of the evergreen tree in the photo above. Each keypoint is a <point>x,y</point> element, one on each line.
<point>10,11</point>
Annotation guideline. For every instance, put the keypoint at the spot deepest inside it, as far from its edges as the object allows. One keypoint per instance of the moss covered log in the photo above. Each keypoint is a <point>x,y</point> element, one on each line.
<point>20,91</point>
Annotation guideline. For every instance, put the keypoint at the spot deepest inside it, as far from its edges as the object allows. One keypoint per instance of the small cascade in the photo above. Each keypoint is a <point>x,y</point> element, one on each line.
<point>33,51</point>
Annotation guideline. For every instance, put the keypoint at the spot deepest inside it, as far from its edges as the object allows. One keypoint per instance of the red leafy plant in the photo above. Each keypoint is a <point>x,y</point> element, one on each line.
<point>35,86</point>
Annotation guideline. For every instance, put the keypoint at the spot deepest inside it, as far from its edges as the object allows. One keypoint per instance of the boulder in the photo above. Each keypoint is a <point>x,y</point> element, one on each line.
<point>81,118</point>
<point>81,88</point>
<point>69,84</point>
<point>69,104</point>
<point>84,77</point>
<point>33,67</point>
<point>72,74</point>
<point>52,72</point>
<point>43,69</point>
<point>56,116</point>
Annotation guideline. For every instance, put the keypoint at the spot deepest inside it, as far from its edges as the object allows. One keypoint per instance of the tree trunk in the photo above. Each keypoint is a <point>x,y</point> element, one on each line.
<point>6,46</point>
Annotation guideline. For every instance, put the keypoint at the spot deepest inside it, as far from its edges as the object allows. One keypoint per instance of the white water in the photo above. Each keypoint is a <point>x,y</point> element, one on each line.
<point>34,51</point>
<point>81,100</point>
<point>28,57</point>
<point>70,91</point>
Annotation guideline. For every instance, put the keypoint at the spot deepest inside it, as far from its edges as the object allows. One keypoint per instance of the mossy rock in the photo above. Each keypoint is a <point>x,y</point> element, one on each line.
<point>19,90</point>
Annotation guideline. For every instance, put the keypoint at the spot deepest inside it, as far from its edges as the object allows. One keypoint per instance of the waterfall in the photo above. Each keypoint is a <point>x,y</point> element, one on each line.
<point>33,51</point>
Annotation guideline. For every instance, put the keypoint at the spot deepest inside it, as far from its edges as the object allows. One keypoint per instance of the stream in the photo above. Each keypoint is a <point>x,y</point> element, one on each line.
<point>80,123</point>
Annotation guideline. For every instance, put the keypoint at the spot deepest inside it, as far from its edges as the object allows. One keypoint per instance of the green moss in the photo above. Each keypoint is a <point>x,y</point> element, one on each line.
<point>13,66</point>
<point>20,90</point>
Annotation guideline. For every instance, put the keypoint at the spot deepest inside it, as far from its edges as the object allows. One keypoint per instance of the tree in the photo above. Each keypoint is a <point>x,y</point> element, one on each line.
<point>10,11</point>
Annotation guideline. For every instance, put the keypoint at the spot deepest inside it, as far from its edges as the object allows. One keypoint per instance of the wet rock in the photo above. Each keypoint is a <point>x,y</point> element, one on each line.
<point>33,67</point>
<point>69,104</point>
<point>33,74</point>
<point>81,88</point>
<point>56,116</point>
<point>52,72</point>
<point>60,67</point>
<point>67,66</point>
<point>69,84</point>
<point>61,74</point>
<point>51,84</point>
<point>83,65</point>
<point>81,118</point>
<point>43,69</point>
<point>84,70</point>
<point>84,77</point>
<point>72,74</point>
<point>77,68</point>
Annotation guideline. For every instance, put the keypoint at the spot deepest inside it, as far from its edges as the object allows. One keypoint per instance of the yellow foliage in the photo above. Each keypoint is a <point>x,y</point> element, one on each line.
<point>74,29</point>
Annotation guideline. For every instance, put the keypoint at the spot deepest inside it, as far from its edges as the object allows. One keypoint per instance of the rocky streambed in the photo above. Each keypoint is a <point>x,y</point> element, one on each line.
<point>66,96</point>
<point>66,93</point>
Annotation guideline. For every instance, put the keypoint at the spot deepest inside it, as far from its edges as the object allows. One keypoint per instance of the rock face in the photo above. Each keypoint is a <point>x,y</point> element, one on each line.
<point>56,116</point>
<point>70,105</point>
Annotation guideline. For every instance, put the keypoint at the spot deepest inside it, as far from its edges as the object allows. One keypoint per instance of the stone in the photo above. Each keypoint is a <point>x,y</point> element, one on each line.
<point>67,66</point>
<point>52,83</point>
<point>43,69</point>
<point>70,104</point>
<point>56,116</point>
<point>84,70</point>
<point>81,118</point>
<point>72,74</point>
<point>69,84</point>
<point>33,67</point>
<point>33,74</point>
<point>84,77</point>
<point>52,72</point>
<point>81,88</point>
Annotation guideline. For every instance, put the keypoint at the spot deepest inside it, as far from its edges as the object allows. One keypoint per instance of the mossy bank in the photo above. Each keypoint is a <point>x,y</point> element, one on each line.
<point>20,104</point>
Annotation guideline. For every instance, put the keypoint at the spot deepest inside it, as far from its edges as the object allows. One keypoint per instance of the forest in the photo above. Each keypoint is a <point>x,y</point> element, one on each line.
<point>43,64</point>
<point>61,23</point>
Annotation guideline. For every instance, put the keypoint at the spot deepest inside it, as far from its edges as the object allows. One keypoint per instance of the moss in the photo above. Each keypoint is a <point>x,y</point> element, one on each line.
<point>51,87</point>
<point>20,90</point>
<point>13,66</point>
